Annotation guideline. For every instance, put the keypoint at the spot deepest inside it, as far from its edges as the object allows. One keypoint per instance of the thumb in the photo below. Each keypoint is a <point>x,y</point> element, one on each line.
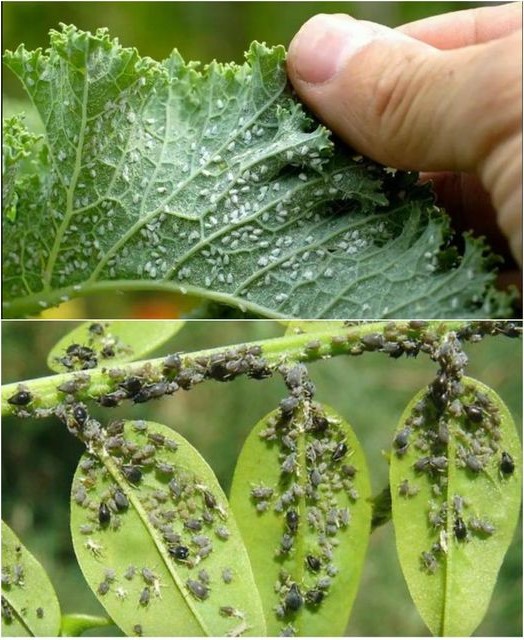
<point>402,102</point>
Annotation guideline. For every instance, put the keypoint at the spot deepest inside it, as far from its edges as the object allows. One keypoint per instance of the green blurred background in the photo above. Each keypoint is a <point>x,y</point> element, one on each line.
<point>200,31</point>
<point>39,457</point>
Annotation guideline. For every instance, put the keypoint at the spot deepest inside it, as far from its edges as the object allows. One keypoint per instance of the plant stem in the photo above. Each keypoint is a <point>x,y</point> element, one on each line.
<point>332,341</point>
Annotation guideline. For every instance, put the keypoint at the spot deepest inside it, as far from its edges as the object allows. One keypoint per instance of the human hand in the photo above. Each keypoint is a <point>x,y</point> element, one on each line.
<point>440,95</point>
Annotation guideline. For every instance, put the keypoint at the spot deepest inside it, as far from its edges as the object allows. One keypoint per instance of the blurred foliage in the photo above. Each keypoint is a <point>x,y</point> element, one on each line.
<point>39,457</point>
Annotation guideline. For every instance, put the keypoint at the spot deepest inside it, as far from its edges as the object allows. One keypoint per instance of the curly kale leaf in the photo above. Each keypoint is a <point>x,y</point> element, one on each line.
<point>214,182</point>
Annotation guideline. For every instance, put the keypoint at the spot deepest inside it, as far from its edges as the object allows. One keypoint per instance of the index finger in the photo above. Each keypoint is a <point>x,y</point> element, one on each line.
<point>464,28</point>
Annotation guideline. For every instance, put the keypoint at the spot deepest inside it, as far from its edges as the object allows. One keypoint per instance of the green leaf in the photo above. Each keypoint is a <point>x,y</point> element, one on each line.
<point>176,488</point>
<point>113,343</point>
<point>214,182</point>
<point>29,603</point>
<point>462,520</point>
<point>343,493</point>
<point>74,624</point>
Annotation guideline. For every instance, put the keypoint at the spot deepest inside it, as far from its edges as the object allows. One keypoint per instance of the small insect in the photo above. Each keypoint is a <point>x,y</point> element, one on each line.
<point>289,463</point>
<point>170,445</point>
<point>21,398</point>
<point>401,441</point>
<point>314,597</point>
<point>93,547</point>
<point>39,613</point>
<point>165,468</point>
<point>429,561</point>
<point>313,563</point>
<point>292,520</point>
<point>474,413</point>
<point>172,363</point>
<point>261,492</point>
<point>121,593</point>
<point>145,597</point>
<point>482,527</point>
<point>132,473</point>
<point>121,501</point>
<point>372,341</point>
<point>179,552</point>
<point>293,600</point>
<point>104,514</point>
<point>286,543</point>
<point>222,532</point>
<point>287,406</point>
<point>339,451</point>
<point>80,415</point>
<point>103,588</point>
<point>203,576</point>
<point>459,528</point>
<point>193,524</point>
<point>230,612</point>
<point>473,463</point>
<point>406,490</point>
<point>7,611</point>
<point>130,572</point>
<point>507,465</point>
<point>199,590</point>
<point>18,574</point>
<point>137,630</point>
<point>110,575</point>
<point>227,575</point>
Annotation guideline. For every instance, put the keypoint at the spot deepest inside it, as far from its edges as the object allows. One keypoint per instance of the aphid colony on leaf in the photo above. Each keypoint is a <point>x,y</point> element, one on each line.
<point>324,477</point>
<point>183,509</point>
<point>451,409</point>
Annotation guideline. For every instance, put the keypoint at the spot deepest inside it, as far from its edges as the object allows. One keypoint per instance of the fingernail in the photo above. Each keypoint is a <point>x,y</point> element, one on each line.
<point>324,43</point>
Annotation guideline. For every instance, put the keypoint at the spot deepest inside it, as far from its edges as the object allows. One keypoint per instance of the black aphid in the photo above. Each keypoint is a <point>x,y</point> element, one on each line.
<point>288,405</point>
<point>314,596</point>
<point>39,612</point>
<point>292,521</point>
<point>199,590</point>
<point>372,341</point>
<point>96,329</point>
<point>137,630</point>
<point>80,415</point>
<point>20,398</point>
<point>172,363</point>
<point>460,529</point>
<point>103,588</point>
<point>178,552</point>
<point>313,563</point>
<point>121,501</point>
<point>293,600</point>
<point>339,451</point>
<point>132,473</point>
<point>507,465</point>
<point>401,440</point>
<point>104,514</point>
<point>145,596</point>
<point>131,385</point>
<point>474,413</point>
<point>193,524</point>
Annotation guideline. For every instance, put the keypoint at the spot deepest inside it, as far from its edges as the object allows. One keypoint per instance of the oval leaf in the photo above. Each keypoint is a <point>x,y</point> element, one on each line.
<point>311,466</point>
<point>93,344</point>
<point>156,541</point>
<point>455,487</point>
<point>29,603</point>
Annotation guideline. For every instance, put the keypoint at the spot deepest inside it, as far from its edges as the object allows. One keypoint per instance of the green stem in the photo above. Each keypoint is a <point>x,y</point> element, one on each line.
<point>290,348</point>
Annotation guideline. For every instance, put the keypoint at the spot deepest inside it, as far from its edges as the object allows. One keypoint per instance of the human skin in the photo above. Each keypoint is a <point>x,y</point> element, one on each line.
<point>441,96</point>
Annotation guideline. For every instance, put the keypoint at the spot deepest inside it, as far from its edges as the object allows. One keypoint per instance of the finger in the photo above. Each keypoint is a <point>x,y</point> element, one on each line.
<point>464,28</point>
<point>401,101</point>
